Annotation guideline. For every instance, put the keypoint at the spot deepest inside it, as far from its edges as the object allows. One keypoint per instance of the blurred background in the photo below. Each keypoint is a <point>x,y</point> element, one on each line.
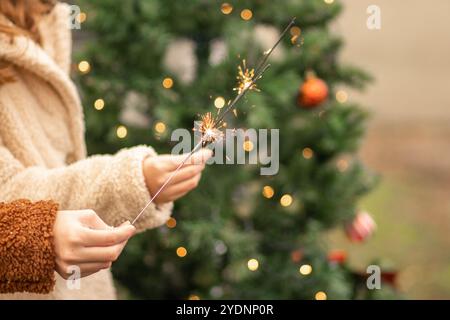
<point>407,141</point>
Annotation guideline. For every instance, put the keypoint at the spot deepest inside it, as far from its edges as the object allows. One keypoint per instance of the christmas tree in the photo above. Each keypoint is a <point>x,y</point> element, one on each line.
<point>151,66</point>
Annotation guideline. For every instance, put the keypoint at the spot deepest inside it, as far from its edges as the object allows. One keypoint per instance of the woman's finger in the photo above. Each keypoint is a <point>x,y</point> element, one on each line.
<point>186,173</point>
<point>102,254</point>
<point>106,238</point>
<point>198,158</point>
<point>175,191</point>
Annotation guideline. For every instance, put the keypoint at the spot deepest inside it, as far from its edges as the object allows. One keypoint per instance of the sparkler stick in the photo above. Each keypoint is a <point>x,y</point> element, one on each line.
<point>209,134</point>
<point>189,155</point>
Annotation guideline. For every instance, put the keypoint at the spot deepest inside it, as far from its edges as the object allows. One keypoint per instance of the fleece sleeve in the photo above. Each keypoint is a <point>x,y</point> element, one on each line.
<point>112,185</point>
<point>27,259</point>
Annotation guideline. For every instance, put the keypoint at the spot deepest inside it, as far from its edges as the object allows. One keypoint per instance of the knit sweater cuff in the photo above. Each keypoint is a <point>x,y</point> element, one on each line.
<point>27,258</point>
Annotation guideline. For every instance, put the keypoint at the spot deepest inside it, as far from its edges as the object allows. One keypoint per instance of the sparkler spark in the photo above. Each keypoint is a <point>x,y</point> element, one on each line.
<point>245,78</point>
<point>209,129</point>
<point>210,126</point>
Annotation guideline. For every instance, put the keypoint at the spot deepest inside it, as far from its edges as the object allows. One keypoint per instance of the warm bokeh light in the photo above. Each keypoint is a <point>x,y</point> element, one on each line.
<point>181,252</point>
<point>248,146</point>
<point>246,14</point>
<point>328,1</point>
<point>341,96</point>
<point>82,17</point>
<point>84,67</point>
<point>160,127</point>
<point>171,223</point>
<point>321,295</point>
<point>99,104</point>
<point>194,297</point>
<point>268,192</point>
<point>219,103</point>
<point>121,132</point>
<point>286,200</point>
<point>305,269</point>
<point>342,165</point>
<point>308,153</point>
<point>253,264</point>
<point>295,31</point>
<point>167,83</point>
<point>226,8</point>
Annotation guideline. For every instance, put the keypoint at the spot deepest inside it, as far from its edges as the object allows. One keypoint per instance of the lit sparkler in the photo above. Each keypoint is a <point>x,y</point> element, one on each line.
<point>210,128</point>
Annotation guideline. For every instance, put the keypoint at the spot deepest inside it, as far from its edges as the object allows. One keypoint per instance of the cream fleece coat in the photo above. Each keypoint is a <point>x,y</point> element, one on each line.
<point>43,153</point>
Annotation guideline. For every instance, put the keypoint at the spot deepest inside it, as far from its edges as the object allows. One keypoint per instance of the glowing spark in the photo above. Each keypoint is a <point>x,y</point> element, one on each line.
<point>209,129</point>
<point>245,79</point>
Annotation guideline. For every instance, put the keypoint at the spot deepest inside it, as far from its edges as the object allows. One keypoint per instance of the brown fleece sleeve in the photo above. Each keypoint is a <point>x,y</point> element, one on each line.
<point>27,258</point>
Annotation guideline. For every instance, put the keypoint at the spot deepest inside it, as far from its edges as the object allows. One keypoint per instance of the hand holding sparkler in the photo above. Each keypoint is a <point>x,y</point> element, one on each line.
<point>210,127</point>
<point>157,170</point>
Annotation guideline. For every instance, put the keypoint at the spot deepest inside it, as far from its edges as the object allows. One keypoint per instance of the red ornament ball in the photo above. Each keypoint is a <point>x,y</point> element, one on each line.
<point>313,92</point>
<point>361,228</point>
<point>337,256</point>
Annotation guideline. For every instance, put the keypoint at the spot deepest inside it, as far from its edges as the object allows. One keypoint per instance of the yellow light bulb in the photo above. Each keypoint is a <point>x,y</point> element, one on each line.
<point>253,264</point>
<point>171,223</point>
<point>82,17</point>
<point>246,14</point>
<point>295,31</point>
<point>84,67</point>
<point>226,8</point>
<point>305,269</point>
<point>181,252</point>
<point>286,200</point>
<point>160,127</point>
<point>307,153</point>
<point>167,83</point>
<point>99,104</point>
<point>248,146</point>
<point>341,96</point>
<point>321,295</point>
<point>219,103</point>
<point>121,132</point>
<point>268,192</point>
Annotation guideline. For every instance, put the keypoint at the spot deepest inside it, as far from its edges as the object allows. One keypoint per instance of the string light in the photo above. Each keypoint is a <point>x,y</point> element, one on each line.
<point>253,264</point>
<point>160,127</point>
<point>121,132</point>
<point>295,31</point>
<point>341,96</point>
<point>219,103</point>
<point>82,17</point>
<point>308,153</point>
<point>268,192</point>
<point>246,14</point>
<point>248,146</point>
<point>171,223</point>
<point>84,67</point>
<point>342,165</point>
<point>181,252</point>
<point>286,200</point>
<point>226,8</point>
<point>321,295</point>
<point>167,83</point>
<point>99,104</point>
<point>305,269</point>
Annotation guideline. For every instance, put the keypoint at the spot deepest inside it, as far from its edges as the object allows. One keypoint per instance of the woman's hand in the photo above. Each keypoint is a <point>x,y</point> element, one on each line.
<point>158,169</point>
<point>82,239</point>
